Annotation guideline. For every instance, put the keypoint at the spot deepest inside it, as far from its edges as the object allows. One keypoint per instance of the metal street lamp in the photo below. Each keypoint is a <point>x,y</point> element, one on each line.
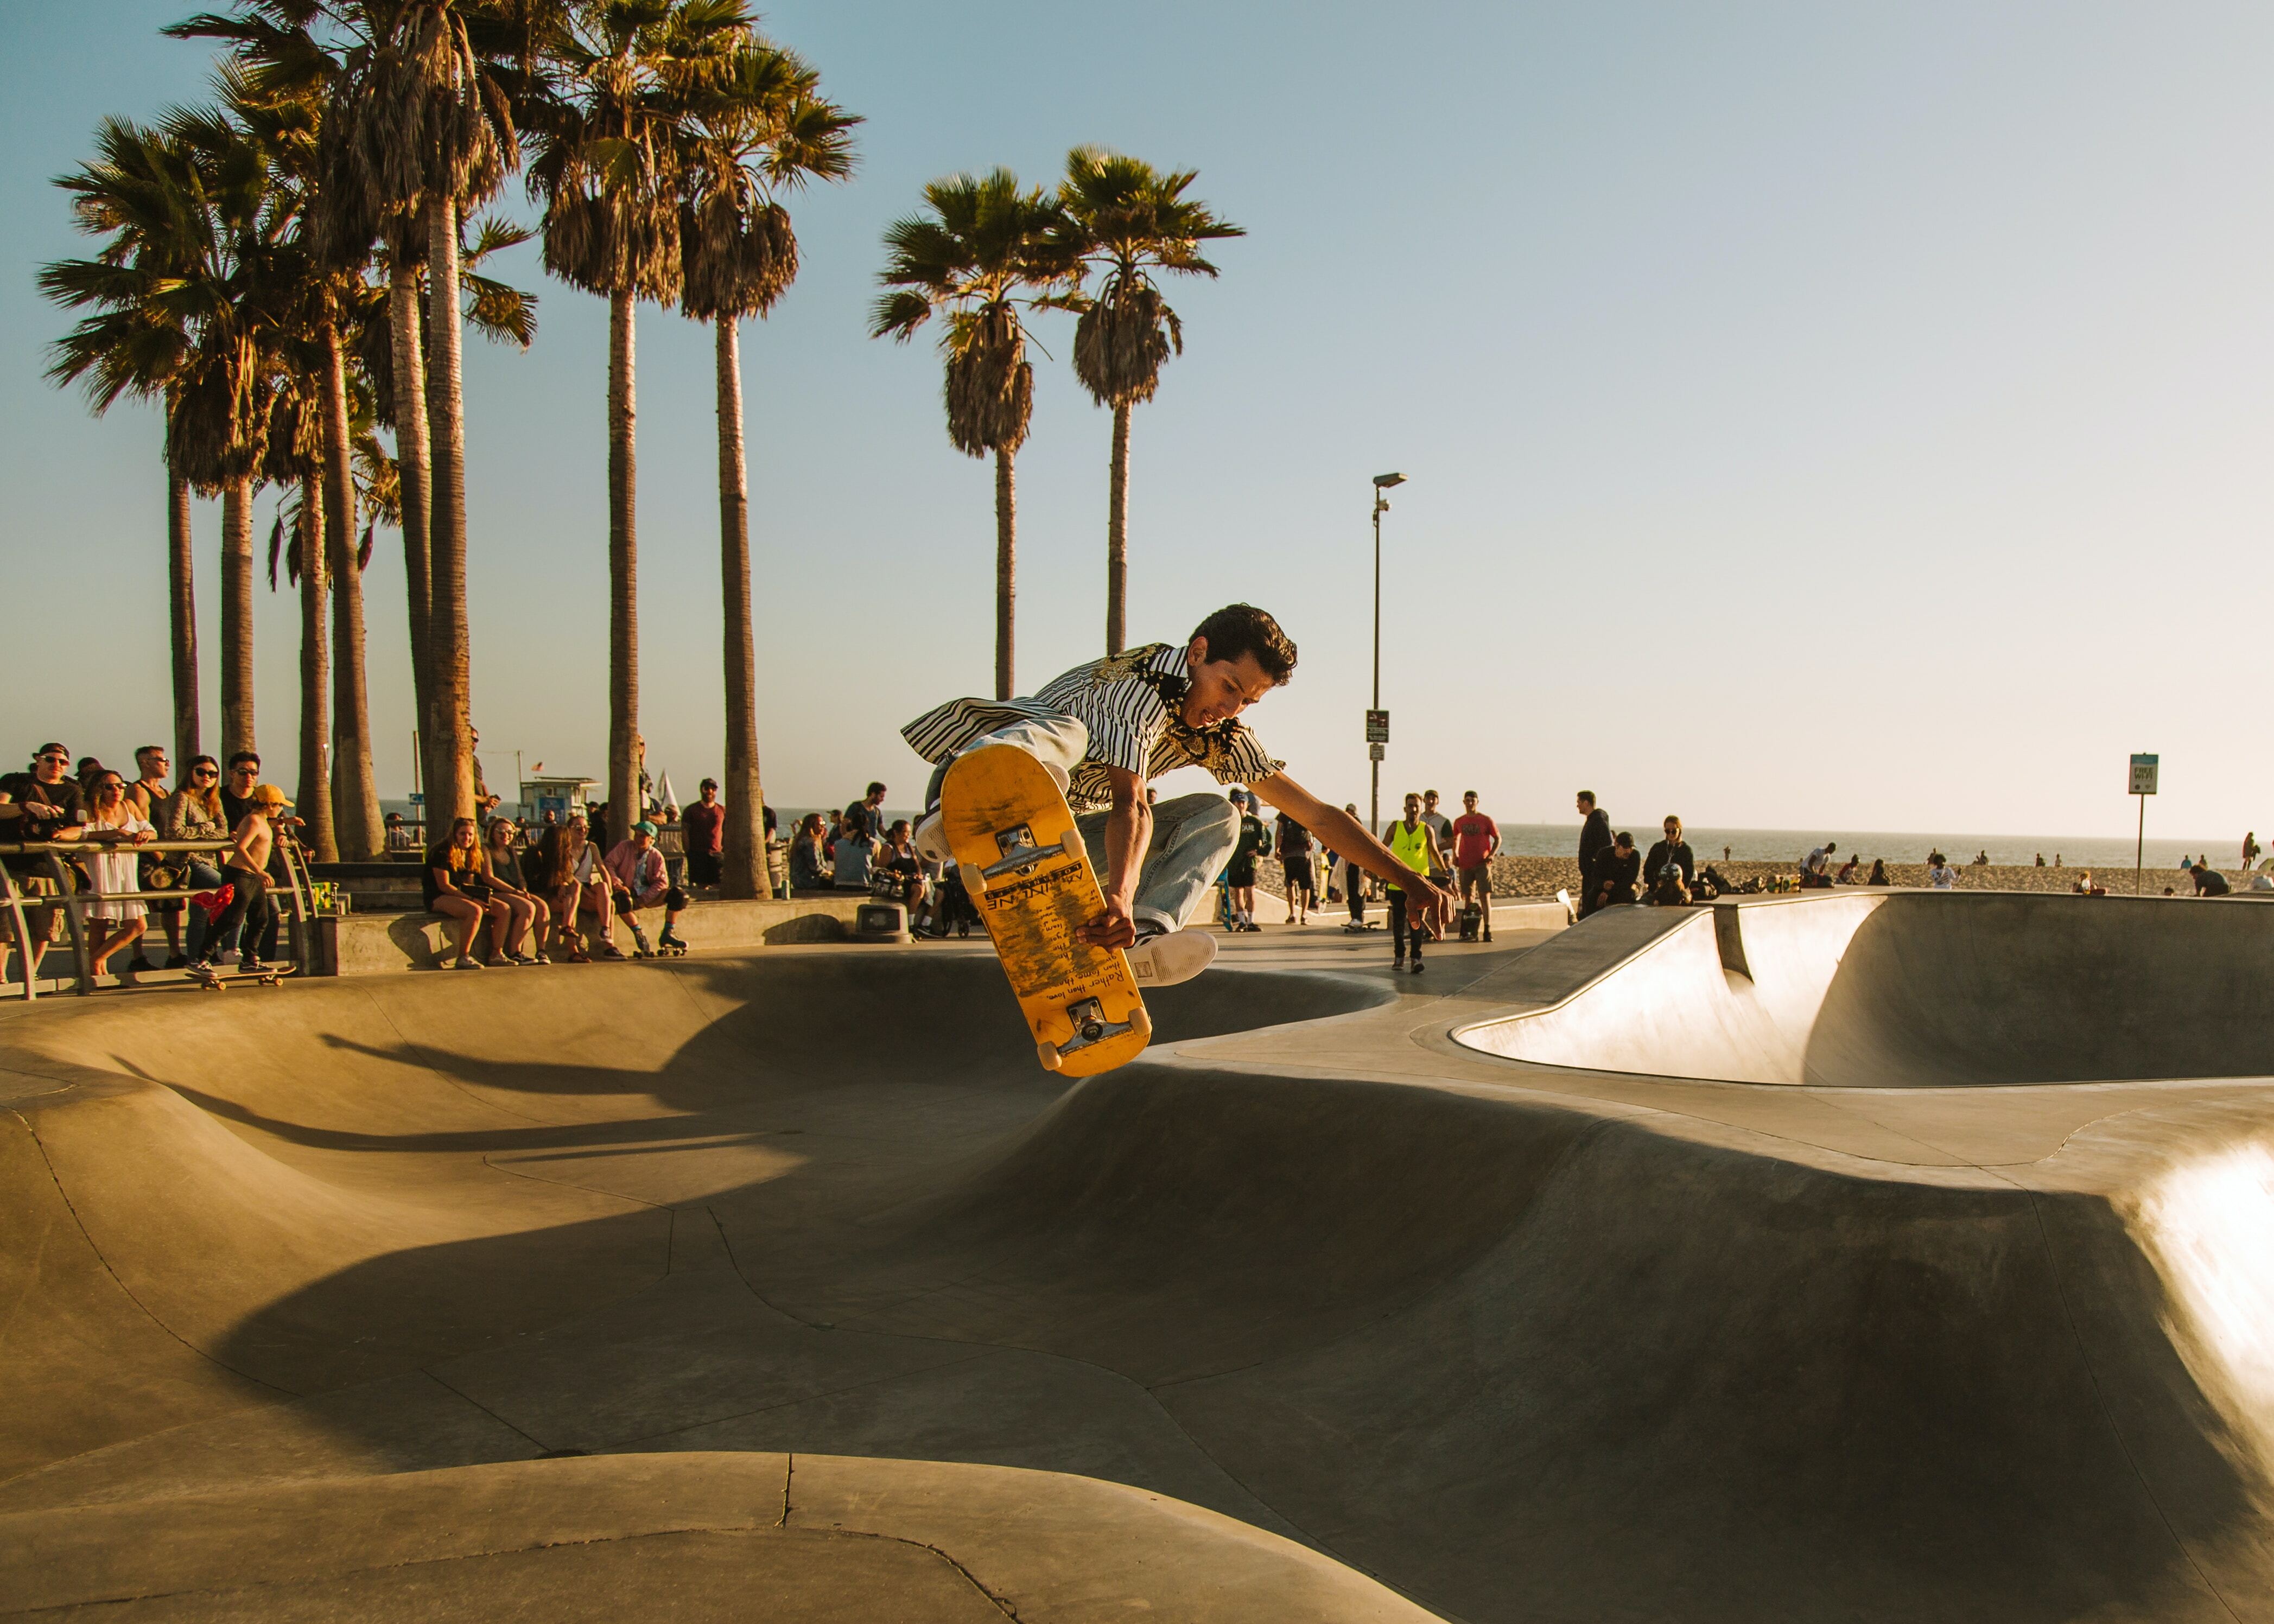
<point>1382,488</point>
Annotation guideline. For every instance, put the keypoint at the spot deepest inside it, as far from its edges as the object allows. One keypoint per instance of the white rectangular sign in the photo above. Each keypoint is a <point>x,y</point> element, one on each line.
<point>2143,775</point>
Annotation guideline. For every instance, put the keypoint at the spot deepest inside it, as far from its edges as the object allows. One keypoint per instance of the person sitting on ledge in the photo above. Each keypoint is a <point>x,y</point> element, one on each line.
<point>456,879</point>
<point>1879,873</point>
<point>639,881</point>
<point>2209,881</point>
<point>1616,871</point>
<point>809,856</point>
<point>1847,875</point>
<point>533,911</point>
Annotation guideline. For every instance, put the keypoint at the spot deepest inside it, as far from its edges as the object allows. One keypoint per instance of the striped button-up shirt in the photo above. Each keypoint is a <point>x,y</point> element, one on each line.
<point>1132,706</point>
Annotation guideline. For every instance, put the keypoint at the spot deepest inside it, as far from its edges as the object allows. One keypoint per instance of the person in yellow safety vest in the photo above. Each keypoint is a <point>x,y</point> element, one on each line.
<point>1414,844</point>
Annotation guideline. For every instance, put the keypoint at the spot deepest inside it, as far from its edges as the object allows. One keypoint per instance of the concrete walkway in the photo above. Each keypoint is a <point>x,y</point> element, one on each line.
<point>542,1289</point>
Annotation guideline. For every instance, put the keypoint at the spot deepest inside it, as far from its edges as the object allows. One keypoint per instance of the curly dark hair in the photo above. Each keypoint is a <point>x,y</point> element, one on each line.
<point>1242,628</point>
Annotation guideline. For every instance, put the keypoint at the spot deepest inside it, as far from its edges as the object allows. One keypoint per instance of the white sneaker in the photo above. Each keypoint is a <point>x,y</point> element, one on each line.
<point>1173,957</point>
<point>931,839</point>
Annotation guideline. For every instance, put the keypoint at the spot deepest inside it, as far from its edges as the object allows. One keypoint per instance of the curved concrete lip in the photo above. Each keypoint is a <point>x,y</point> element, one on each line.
<point>1879,989</point>
<point>1516,1341</point>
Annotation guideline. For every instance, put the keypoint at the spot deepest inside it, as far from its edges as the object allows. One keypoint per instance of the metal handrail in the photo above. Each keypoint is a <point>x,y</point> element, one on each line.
<point>75,903</point>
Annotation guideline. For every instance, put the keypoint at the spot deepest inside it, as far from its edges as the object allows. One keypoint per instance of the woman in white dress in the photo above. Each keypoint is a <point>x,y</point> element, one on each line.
<point>115,826</point>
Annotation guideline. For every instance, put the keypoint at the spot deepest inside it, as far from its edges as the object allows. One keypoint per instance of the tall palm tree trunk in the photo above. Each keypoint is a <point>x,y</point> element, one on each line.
<point>450,787</point>
<point>743,860</point>
<point>1006,590</point>
<point>355,788</point>
<point>623,575</point>
<point>182,616</point>
<point>410,460</point>
<point>1117,537</point>
<point>313,803</point>
<point>237,618</point>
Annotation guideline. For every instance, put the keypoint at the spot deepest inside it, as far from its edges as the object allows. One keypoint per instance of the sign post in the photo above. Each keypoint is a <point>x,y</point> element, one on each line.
<point>1377,735</point>
<point>2144,785</point>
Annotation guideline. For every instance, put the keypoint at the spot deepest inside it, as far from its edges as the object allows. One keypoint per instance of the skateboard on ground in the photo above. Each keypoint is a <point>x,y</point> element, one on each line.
<point>212,980</point>
<point>1023,866</point>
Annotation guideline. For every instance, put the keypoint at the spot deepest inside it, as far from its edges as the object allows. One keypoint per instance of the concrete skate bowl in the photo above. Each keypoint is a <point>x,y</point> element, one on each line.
<point>1921,990</point>
<point>804,1245</point>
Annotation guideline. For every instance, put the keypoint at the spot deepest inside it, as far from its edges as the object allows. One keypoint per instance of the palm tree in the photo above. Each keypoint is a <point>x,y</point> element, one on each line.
<point>421,127</point>
<point>763,130</point>
<point>611,135</point>
<point>1130,220</point>
<point>296,460</point>
<point>985,248</point>
<point>142,191</point>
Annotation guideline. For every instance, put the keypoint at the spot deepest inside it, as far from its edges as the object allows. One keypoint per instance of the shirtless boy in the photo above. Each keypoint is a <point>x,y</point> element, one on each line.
<point>246,870</point>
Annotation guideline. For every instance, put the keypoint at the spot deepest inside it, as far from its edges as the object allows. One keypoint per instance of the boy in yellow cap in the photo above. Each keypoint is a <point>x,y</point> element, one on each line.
<point>251,908</point>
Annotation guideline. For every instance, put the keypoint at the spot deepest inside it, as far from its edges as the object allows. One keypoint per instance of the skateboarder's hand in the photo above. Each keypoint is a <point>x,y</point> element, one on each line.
<point>1111,929</point>
<point>1430,904</point>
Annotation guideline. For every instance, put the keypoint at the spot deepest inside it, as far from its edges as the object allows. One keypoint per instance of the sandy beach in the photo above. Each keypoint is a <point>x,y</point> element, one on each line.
<point>1544,876</point>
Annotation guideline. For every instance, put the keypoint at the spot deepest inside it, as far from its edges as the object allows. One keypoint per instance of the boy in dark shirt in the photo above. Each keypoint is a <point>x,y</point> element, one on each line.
<point>44,803</point>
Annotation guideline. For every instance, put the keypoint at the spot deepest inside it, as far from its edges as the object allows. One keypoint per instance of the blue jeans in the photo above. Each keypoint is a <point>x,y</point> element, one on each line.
<point>1194,836</point>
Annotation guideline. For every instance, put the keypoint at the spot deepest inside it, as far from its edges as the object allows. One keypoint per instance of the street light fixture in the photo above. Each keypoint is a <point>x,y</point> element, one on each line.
<point>1382,484</point>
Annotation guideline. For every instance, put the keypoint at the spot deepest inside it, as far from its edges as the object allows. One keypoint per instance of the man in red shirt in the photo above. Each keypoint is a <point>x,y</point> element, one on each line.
<point>1475,839</point>
<point>702,827</point>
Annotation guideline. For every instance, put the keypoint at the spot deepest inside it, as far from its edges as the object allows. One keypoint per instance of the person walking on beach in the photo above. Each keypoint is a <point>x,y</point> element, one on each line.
<point>1415,845</point>
<point>1106,728</point>
<point>2249,849</point>
<point>1594,842</point>
<point>1476,840</point>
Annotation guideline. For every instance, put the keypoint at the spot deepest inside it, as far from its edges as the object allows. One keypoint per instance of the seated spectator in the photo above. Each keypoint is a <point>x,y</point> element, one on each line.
<point>1940,875</point>
<point>1847,875</point>
<point>2262,881</point>
<point>1616,872</point>
<point>1672,849</point>
<point>502,855</point>
<point>44,803</point>
<point>2085,887</point>
<point>1879,873</point>
<point>638,880</point>
<point>899,872</point>
<point>2209,881</point>
<point>151,764</point>
<point>114,921</point>
<point>580,886</point>
<point>703,833</point>
<point>809,856</point>
<point>400,836</point>
<point>193,812</point>
<point>854,856</point>
<point>457,882</point>
<point>1816,867</point>
<point>250,916</point>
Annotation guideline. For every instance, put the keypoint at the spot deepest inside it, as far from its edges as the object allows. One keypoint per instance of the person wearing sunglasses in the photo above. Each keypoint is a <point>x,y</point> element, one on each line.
<point>45,804</point>
<point>236,788</point>
<point>193,812</point>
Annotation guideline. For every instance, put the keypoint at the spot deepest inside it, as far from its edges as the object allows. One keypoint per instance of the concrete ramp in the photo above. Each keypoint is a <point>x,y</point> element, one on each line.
<point>1917,989</point>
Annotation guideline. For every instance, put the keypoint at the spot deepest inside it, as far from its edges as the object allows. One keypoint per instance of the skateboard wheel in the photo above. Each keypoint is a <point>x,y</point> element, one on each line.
<point>1047,1052</point>
<point>1141,1022</point>
<point>974,879</point>
<point>1070,843</point>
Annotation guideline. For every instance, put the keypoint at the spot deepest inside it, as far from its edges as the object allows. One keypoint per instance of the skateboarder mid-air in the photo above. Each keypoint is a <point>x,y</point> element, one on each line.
<point>1107,727</point>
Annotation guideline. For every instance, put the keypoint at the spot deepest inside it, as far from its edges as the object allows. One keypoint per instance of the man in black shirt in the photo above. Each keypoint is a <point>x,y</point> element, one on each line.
<point>2209,881</point>
<point>1594,842</point>
<point>236,787</point>
<point>1239,872</point>
<point>43,804</point>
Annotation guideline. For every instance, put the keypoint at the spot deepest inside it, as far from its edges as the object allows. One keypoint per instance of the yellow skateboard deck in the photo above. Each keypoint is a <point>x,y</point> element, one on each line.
<point>1024,867</point>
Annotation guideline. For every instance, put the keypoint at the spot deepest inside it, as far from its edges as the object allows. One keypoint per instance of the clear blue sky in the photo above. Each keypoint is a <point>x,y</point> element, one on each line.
<point>1816,415</point>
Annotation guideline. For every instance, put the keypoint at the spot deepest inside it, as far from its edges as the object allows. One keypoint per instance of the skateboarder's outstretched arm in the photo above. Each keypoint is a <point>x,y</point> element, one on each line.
<point>1128,836</point>
<point>1426,903</point>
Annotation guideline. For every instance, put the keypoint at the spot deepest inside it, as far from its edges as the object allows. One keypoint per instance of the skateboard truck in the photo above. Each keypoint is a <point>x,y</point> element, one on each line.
<point>1090,1027</point>
<point>1020,852</point>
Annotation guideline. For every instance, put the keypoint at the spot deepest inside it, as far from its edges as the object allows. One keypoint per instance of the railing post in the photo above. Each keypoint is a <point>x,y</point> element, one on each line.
<point>23,937</point>
<point>73,907</point>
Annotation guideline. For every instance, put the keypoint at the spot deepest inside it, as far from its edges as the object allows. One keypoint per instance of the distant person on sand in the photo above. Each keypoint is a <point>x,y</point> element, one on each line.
<point>2209,881</point>
<point>1816,867</point>
<point>2249,840</point>
<point>1847,875</point>
<point>1939,874</point>
<point>1879,873</point>
<point>1594,842</point>
<point>1981,858</point>
<point>1725,854</point>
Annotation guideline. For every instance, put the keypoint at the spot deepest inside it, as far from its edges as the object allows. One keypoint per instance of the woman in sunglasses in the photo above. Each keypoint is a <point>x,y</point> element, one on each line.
<point>193,812</point>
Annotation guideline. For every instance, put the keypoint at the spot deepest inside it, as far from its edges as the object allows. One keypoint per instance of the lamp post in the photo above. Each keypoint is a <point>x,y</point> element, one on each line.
<point>1382,488</point>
